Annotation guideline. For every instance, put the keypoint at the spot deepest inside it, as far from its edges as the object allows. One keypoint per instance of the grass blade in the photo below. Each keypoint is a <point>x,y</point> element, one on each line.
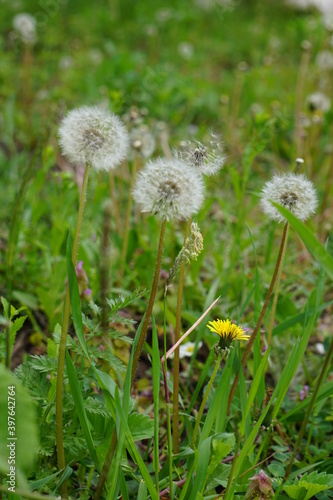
<point>80,409</point>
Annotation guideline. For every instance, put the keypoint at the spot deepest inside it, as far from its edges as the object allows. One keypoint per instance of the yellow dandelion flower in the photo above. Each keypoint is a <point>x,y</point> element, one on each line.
<point>227,331</point>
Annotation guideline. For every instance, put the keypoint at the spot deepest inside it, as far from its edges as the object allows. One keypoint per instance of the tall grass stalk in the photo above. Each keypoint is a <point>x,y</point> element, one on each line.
<point>175,422</point>
<point>63,340</point>
<point>262,314</point>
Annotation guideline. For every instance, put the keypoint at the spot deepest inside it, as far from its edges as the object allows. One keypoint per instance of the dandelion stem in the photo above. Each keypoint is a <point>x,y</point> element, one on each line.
<point>309,410</point>
<point>106,466</point>
<point>276,292</point>
<point>63,340</point>
<point>204,400</point>
<point>175,423</point>
<point>150,302</point>
<point>262,314</point>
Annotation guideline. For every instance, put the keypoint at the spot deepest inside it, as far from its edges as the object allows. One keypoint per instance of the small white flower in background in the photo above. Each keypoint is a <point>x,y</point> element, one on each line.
<point>66,62</point>
<point>294,192</point>
<point>169,188</point>
<point>186,50</point>
<point>320,348</point>
<point>324,60</point>
<point>94,136</point>
<point>207,157</point>
<point>318,102</point>
<point>25,25</point>
<point>186,349</point>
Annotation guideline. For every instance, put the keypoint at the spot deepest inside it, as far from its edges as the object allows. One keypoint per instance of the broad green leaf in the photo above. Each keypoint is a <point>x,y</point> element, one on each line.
<point>16,407</point>
<point>80,409</point>
<point>314,246</point>
<point>222,444</point>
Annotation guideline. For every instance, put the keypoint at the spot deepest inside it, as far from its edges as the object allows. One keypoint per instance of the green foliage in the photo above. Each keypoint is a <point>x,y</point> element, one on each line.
<point>309,485</point>
<point>18,429</point>
<point>11,327</point>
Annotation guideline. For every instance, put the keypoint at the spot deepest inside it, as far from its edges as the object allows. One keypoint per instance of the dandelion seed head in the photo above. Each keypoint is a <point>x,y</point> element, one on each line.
<point>324,60</point>
<point>25,25</point>
<point>318,102</point>
<point>293,191</point>
<point>94,136</point>
<point>169,188</point>
<point>208,157</point>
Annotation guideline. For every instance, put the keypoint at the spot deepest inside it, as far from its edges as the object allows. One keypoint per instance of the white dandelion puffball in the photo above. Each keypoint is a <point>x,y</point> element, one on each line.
<point>207,157</point>
<point>169,188</point>
<point>93,136</point>
<point>324,60</point>
<point>318,102</point>
<point>25,25</point>
<point>294,192</point>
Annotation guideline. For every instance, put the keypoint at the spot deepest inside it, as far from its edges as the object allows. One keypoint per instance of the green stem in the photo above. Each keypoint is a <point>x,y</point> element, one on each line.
<point>63,340</point>
<point>262,314</point>
<point>151,301</point>
<point>276,293</point>
<point>309,410</point>
<point>175,422</point>
<point>170,448</point>
<point>203,403</point>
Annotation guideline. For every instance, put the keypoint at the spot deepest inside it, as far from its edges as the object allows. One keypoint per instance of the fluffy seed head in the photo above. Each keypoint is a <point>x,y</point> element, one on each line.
<point>25,25</point>
<point>207,158</point>
<point>294,192</point>
<point>169,188</point>
<point>94,136</point>
<point>318,102</point>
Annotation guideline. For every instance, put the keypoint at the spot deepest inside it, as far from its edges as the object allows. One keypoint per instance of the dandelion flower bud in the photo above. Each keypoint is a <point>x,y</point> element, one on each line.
<point>169,188</point>
<point>294,192</point>
<point>94,136</point>
<point>207,158</point>
<point>25,25</point>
